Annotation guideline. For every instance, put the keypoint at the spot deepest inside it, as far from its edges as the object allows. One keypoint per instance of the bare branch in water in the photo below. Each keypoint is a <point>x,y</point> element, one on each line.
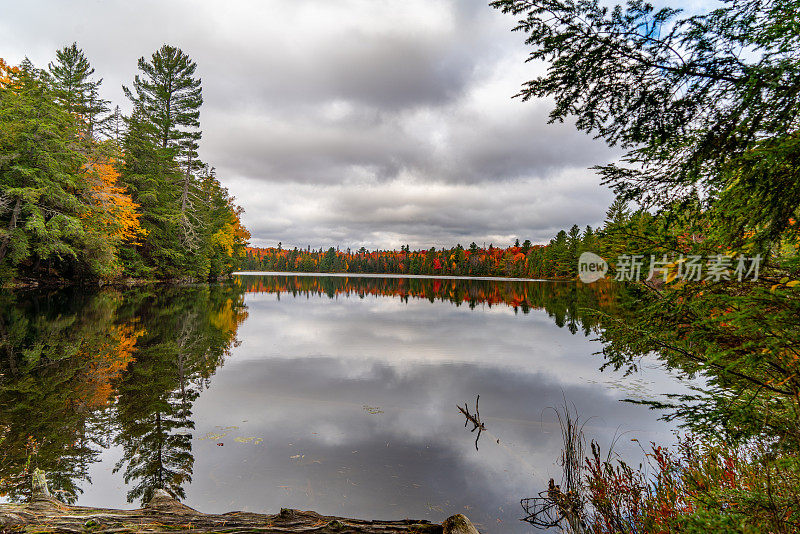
<point>474,419</point>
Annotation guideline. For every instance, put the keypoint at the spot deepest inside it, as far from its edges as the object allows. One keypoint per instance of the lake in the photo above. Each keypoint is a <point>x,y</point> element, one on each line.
<point>334,394</point>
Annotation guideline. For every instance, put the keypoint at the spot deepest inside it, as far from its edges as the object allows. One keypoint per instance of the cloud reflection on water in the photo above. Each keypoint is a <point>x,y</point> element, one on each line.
<point>308,365</point>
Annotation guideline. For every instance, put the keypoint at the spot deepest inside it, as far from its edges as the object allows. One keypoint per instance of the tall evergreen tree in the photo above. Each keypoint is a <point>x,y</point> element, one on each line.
<point>139,203</point>
<point>116,125</point>
<point>184,344</point>
<point>76,91</point>
<point>574,242</point>
<point>169,97</point>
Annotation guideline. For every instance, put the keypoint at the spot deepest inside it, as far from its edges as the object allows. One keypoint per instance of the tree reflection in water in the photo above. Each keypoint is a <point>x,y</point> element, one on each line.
<point>81,372</point>
<point>570,304</point>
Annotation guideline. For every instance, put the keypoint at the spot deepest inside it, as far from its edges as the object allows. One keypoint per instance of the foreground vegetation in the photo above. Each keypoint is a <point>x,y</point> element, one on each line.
<point>708,110</point>
<point>86,193</point>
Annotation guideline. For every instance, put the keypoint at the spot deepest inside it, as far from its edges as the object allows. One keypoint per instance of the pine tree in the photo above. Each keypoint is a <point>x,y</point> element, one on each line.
<point>75,90</point>
<point>574,245</point>
<point>116,125</point>
<point>617,213</point>
<point>169,97</point>
<point>589,240</point>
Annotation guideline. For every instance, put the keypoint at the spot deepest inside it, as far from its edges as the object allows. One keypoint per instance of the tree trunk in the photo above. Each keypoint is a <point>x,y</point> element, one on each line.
<point>186,177</point>
<point>11,225</point>
<point>163,514</point>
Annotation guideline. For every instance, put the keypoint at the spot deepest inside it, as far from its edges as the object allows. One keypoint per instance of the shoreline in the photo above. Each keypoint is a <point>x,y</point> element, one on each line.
<point>31,283</point>
<point>399,275</point>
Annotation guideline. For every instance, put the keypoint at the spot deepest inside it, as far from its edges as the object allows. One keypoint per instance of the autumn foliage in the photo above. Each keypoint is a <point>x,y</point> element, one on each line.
<point>106,363</point>
<point>457,261</point>
<point>112,203</point>
<point>82,370</point>
<point>517,295</point>
<point>113,217</point>
<point>6,73</point>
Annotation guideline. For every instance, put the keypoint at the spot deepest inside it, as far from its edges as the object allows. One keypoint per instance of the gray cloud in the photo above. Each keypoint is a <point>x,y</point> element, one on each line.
<point>351,123</point>
<point>425,214</point>
<point>462,142</point>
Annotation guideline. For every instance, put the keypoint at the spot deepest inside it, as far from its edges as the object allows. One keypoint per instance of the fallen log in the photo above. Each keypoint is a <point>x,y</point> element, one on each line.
<point>164,514</point>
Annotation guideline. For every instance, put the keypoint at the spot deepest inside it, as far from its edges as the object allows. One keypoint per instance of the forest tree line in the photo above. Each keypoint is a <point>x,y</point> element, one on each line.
<point>87,192</point>
<point>557,259</point>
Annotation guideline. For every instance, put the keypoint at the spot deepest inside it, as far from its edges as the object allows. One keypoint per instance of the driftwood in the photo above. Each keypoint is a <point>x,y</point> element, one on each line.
<point>163,514</point>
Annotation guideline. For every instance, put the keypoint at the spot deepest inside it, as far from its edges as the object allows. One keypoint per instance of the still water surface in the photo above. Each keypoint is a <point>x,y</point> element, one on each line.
<point>334,394</point>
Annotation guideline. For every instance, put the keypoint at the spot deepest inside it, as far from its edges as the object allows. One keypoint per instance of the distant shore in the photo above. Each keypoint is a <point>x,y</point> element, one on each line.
<point>399,275</point>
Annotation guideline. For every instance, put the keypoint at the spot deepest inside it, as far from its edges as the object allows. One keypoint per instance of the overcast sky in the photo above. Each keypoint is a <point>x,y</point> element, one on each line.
<point>354,122</point>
